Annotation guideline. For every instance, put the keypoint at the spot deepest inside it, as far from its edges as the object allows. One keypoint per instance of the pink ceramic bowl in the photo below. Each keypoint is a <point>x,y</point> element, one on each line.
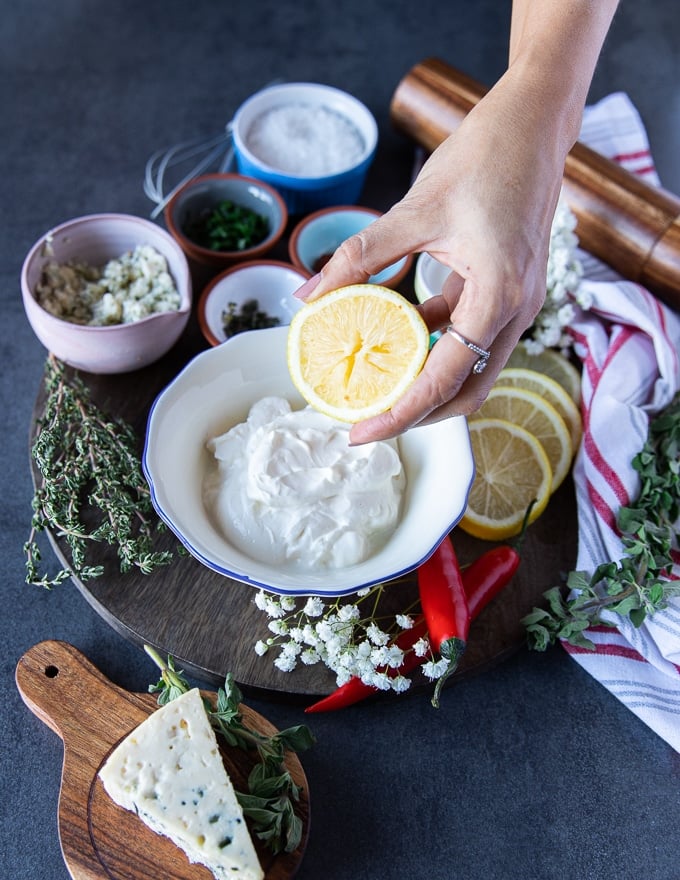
<point>117,348</point>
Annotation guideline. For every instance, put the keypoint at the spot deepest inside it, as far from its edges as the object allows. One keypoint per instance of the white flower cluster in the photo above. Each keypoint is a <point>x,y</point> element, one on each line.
<point>337,635</point>
<point>563,287</point>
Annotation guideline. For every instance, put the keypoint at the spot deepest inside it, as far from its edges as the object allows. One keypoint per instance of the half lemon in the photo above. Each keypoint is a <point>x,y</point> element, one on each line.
<point>353,352</point>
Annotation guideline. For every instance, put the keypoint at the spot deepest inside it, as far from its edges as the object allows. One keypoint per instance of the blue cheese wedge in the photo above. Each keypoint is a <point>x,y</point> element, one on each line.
<point>169,771</point>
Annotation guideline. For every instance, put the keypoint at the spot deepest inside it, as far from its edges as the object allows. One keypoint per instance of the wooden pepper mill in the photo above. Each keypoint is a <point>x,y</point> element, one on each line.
<point>625,222</point>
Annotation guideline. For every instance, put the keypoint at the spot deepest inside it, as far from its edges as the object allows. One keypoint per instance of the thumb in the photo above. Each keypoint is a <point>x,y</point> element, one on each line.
<point>366,253</point>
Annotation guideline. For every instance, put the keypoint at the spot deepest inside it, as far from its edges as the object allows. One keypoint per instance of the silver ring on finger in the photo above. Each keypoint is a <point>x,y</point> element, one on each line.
<point>483,355</point>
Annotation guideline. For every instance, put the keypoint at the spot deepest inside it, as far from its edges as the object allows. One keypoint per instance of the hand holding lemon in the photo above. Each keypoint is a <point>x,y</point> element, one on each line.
<point>354,353</point>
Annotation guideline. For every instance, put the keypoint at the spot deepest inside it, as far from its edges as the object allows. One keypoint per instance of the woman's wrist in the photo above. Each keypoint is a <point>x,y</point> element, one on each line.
<point>554,48</point>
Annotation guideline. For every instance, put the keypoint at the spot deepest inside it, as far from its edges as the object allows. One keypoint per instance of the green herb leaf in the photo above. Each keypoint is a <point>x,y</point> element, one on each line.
<point>638,584</point>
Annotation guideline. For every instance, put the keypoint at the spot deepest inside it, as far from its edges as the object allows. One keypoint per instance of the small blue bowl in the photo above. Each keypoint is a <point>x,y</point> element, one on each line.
<point>316,237</point>
<point>290,135</point>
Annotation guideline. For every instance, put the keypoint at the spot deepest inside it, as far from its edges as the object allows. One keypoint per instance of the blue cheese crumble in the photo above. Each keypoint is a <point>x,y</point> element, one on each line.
<point>127,289</point>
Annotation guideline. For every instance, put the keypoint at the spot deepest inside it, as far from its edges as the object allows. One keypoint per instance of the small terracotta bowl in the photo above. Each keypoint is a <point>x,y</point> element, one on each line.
<point>202,194</point>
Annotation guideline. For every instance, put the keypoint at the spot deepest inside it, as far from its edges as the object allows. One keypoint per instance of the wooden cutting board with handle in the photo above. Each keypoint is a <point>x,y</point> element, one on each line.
<point>91,715</point>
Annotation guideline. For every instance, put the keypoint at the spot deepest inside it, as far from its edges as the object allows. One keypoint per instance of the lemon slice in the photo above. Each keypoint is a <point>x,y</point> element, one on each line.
<point>551,363</point>
<point>353,352</point>
<point>550,390</point>
<point>540,418</point>
<point>512,469</point>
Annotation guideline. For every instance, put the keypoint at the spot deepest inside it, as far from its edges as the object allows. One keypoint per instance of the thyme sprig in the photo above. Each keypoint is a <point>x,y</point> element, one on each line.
<point>88,461</point>
<point>638,584</point>
<point>272,792</point>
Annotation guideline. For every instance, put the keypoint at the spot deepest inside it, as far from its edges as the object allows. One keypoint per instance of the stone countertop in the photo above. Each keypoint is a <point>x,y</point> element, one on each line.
<point>531,770</point>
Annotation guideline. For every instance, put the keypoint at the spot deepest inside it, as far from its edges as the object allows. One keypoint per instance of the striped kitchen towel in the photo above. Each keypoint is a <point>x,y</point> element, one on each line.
<point>629,343</point>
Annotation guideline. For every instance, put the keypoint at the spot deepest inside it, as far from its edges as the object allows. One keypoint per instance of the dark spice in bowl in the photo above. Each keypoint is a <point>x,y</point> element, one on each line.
<point>249,317</point>
<point>227,227</point>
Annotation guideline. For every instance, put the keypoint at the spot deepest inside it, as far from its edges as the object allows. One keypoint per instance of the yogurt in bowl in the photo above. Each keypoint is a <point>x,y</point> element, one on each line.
<point>289,489</point>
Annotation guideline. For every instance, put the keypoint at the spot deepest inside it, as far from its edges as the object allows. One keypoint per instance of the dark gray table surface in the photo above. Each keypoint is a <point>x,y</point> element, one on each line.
<point>531,770</point>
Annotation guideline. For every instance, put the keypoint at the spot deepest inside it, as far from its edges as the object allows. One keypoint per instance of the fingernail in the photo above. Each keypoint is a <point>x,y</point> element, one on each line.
<point>308,287</point>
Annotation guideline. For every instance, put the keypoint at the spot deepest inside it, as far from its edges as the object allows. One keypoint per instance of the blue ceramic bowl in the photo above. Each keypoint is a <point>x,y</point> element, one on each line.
<point>313,143</point>
<point>315,238</point>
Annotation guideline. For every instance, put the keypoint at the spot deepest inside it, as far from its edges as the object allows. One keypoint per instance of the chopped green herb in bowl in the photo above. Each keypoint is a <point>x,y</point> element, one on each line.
<point>223,219</point>
<point>227,227</point>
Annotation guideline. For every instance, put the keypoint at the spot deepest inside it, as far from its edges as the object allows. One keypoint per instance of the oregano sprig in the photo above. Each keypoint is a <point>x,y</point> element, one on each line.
<point>272,792</point>
<point>88,461</point>
<point>639,583</point>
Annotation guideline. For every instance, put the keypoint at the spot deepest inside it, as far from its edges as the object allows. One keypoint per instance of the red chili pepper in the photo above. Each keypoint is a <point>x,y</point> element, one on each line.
<point>488,575</point>
<point>482,580</point>
<point>445,606</point>
<point>355,689</point>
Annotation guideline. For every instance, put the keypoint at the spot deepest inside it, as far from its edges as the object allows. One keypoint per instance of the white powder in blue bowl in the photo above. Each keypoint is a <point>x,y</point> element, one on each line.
<point>305,139</point>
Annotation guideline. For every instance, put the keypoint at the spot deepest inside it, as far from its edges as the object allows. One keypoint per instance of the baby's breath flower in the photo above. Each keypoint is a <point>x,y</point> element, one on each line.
<point>309,635</point>
<point>400,684</point>
<point>380,655</point>
<point>314,607</point>
<point>285,663</point>
<point>382,681</point>
<point>348,612</point>
<point>334,645</point>
<point>309,657</point>
<point>563,280</point>
<point>290,649</point>
<point>584,298</point>
<point>271,606</point>
<point>376,635</point>
<point>395,657</point>
<point>363,650</point>
<point>340,635</point>
<point>421,647</point>
<point>324,630</point>
<point>342,677</point>
<point>433,669</point>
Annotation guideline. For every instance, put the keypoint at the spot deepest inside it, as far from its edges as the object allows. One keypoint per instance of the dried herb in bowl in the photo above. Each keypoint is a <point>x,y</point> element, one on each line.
<point>249,317</point>
<point>227,227</point>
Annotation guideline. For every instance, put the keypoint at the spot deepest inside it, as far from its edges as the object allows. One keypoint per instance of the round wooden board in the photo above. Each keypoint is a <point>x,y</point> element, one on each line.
<point>210,624</point>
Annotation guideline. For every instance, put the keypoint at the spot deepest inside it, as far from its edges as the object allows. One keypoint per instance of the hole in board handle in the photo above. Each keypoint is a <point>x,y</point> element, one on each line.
<point>51,671</point>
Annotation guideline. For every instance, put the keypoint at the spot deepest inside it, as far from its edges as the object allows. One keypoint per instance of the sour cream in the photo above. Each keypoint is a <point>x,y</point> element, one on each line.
<point>287,488</point>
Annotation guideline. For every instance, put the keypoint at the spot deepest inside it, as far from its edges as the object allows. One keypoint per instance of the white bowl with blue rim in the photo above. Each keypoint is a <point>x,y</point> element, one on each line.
<point>312,142</point>
<point>215,392</point>
<point>315,238</point>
